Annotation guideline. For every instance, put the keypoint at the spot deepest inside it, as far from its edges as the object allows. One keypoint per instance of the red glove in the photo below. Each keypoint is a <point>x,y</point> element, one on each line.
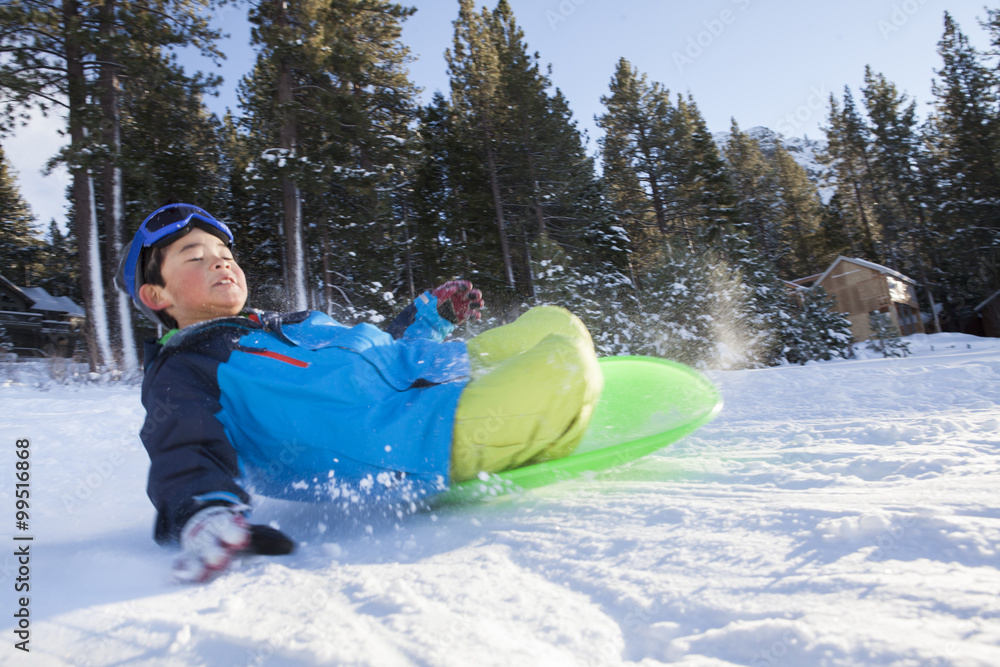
<point>457,301</point>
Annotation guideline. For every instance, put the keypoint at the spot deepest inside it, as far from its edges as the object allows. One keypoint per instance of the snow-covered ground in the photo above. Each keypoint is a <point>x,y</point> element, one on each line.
<point>844,513</point>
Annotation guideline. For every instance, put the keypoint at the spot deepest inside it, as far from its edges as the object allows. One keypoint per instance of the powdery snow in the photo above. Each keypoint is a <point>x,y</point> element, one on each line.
<point>844,513</point>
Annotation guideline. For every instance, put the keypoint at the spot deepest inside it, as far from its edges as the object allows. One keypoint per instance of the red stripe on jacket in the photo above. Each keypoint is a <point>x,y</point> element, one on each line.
<point>279,357</point>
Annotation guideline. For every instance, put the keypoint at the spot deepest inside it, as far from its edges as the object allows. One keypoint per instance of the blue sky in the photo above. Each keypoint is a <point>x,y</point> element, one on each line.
<point>765,62</point>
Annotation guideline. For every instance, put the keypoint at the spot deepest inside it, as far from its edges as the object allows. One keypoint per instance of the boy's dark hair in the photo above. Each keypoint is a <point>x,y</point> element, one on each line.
<point>152,262</point>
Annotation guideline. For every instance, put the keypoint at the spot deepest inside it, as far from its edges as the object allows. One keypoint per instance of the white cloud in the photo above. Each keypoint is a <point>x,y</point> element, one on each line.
<point>28,149</point>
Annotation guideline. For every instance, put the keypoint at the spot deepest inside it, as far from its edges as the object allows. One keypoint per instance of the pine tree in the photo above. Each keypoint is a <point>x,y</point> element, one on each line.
<point>847,155</point>
<point>800,216</point>
<point>963,135</point>
<point>19,244</point>
<point>661,167</point>
<point>777,206</point>
<point>522,83</point>
<point>533,174</point>
<point>474,71</point>
<point>382,149</point>
<point>254,196</point>
<point>440,200</point>
<point>548,180</point>
<point>756,190</point>
<point>341,147</point>
<point>895,146</point>
<point>816,331</point>
<point>60,276</point>
<point>289,61</point>
<point>836,234</point>
<point>182,160</point>
<point>767,304</point>
<point>632,152</point>
<point>885,338</point>
<point>967,129</point>
<point>707,203</point>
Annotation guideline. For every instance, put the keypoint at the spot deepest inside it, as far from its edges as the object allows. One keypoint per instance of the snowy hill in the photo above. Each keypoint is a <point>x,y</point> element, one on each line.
<point>843,513</point>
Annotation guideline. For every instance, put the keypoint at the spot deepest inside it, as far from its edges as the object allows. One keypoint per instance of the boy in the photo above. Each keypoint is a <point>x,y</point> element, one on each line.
<point>298,406</point>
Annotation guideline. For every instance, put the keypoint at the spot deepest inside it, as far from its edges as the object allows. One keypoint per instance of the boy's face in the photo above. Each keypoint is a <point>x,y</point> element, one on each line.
<point>201,280</point>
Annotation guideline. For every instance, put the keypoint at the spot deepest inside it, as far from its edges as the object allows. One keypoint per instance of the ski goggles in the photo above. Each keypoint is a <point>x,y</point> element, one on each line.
<point>161,228</point>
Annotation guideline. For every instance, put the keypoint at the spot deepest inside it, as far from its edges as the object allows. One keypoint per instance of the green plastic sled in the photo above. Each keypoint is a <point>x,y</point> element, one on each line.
<point>647,404</point>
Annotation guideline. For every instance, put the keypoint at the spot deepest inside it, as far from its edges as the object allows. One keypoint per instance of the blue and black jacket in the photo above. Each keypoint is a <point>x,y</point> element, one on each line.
<point>299,406</point>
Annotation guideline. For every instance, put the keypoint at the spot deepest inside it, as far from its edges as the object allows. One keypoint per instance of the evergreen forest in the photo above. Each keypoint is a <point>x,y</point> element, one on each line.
<point>348,195</point>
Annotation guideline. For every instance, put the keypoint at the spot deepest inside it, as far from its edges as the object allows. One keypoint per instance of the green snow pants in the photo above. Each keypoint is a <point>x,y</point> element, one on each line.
<point>535,383</point>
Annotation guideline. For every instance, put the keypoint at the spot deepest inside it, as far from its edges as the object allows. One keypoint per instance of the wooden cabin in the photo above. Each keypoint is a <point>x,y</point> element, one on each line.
<point>861,287</point>
<point>39,324</point>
